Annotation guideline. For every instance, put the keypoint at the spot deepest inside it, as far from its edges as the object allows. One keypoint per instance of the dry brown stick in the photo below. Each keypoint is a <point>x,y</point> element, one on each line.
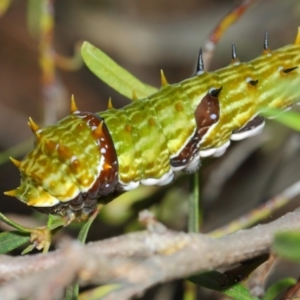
<point>137,261</point>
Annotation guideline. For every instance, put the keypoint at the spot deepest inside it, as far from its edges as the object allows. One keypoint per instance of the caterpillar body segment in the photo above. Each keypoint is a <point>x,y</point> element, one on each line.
<point>87,156</point>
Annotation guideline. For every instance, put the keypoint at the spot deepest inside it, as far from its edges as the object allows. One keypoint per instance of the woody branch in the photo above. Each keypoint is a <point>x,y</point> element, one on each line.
<point>136,261</point>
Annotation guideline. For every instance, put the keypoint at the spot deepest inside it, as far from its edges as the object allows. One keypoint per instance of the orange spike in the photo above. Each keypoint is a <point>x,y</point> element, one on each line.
<point>12,193</point>
<point>109,105</point>
<point>38,136</point>
<point>16,162</point>
<point>34,127</point>
<point>297,41</point>
<point>98,130</point>
<point>134,96</point>
<point>163,79</point>
<point>73,105</point>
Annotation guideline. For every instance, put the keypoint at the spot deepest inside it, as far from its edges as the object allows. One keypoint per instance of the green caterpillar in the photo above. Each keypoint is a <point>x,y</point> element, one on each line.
<point>86,156</point>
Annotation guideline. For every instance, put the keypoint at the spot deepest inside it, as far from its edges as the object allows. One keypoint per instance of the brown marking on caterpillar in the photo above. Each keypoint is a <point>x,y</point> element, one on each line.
<point>84,203</point>
<point>252,128</point>
<point>108,179</point>
<point>206,114</point>
<point>255,122</point>
<point>187,153</point>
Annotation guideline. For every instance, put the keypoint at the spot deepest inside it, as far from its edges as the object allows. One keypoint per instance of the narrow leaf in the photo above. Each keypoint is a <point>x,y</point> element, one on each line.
<point>4,5</point>
<point>11,240</point>
<point>55,222</point>
<point>34,13</point>
<point>14,224</point>
<point>217,281</point>
<point>112,74</point>
<point>28,249</point>
<point>100,292</point>
<point>279,287</point>
<point>72,290</point>
<point>290,119</point>
<point>287,245</point>
<point>86,227</point>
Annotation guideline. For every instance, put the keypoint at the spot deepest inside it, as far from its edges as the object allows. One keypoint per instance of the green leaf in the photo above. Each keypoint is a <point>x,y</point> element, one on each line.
<point>28,249</point>
<point>14,224</point>
<point>11,240</point>
<point>72,290</point>
<point>112,74</point>
<point>4,5</point>
<point>100,292</point>
<point>287,245</point>
<point>217,281</point>
<point>278,287</point>
<point>55,222</point>
<point>34,14</point>
<point>290,118</point>
<point>86,227</point>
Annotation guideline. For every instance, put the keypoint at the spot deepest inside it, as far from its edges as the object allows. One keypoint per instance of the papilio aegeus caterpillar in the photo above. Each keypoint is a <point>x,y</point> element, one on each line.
<point>87,156</point>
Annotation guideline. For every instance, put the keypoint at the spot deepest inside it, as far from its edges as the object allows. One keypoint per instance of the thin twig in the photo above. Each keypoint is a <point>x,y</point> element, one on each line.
<point>261,212</point>
<point>136,261</point>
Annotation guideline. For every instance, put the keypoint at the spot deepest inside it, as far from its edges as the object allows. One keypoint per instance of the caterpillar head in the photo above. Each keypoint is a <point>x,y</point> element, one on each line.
<point>72,164</point>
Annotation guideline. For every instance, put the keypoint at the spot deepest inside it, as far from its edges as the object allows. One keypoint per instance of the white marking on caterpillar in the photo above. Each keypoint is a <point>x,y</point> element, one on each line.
<point>176,169</point>
<point>213,116</point>
<point>194,164</point>
<point>165,179</point>
<point>221,150</point>
<point>287,109</point>
<point>208,152</point>
<point>211,89</point>
<point>245,134</point>
<point>128,186</point>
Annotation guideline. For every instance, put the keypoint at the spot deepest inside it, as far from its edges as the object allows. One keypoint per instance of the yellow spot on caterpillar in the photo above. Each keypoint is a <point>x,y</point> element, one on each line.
<point>37,177</point>
<point>151,122</point>
<point>128,128</point>
<point>61,148</point>
<point>50,145</point>
<point>178,106</point>
<point>75,163</point>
